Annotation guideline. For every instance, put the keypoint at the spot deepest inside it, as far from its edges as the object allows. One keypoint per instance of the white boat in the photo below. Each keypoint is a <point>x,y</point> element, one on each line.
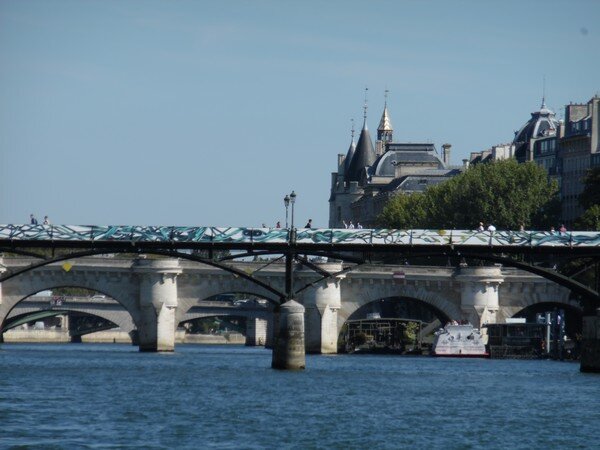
<point>459,341</point>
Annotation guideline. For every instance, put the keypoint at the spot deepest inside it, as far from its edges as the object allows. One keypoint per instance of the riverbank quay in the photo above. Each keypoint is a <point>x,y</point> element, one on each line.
<point>57,336</point>
<point>590,352</point>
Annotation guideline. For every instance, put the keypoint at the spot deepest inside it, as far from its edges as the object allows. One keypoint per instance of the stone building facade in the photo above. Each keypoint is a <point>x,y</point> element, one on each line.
<point>369,175</point>
<point>579,147</point>
<point>566,149</point>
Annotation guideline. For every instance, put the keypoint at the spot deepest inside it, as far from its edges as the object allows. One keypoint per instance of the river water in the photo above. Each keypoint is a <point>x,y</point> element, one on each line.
<point>228,397</point>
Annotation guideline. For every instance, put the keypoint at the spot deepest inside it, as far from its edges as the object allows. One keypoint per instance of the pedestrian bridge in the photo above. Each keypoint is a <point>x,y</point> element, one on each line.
<point>192,236</point>
<point>156,291</point>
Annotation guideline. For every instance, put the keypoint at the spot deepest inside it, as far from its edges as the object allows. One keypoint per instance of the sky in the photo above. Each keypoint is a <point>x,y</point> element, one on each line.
<point>207,113</point>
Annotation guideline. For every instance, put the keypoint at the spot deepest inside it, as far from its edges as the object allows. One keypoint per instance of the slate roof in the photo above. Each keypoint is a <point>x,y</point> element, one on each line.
<point>364,155</point>
<point>400,153</point>
<point>420,182</point>
<point>542,123</point>
<point>349,155</point>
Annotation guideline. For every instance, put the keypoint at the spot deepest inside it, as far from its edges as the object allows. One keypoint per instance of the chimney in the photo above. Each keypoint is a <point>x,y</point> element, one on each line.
<point>446,154</point>
<point>466,163</point>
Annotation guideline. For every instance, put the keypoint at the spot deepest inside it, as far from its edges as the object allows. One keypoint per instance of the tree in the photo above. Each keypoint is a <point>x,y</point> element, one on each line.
<point>504,193</point>
<point>590,200</point>
<point>591,189</point>
<point>589,220</point>
<point>403,211</point>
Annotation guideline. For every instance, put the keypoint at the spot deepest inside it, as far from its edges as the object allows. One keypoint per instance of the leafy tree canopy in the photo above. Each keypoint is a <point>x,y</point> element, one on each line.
<point>504,193</point>
<point>591,189</point>
<point>590,219</point>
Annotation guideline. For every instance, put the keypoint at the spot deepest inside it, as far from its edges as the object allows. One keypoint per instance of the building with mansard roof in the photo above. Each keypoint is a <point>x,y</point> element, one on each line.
<point>567,149</point>
<point>542,125</point>
<point>369,175</point>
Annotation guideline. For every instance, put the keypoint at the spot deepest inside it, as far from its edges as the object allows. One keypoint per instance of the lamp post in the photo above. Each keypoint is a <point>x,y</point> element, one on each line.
<point>286,202</point>
<point>289,199</point>
<point>292,201</point>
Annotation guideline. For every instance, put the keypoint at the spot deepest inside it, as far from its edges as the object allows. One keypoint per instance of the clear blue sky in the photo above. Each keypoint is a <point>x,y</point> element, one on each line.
<point>209,112</point>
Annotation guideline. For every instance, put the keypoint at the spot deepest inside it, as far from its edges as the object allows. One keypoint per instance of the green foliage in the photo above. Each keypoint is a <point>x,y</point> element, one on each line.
<point>411,330</point>
<point>403,211</point>
<point>591,189</point>
<point>73,292</point>
<point>504,193</point>
<point>590,219</point>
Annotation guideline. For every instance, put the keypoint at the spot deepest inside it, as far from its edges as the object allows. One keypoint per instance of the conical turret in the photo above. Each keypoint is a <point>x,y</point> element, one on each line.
<point>364,155</point>
<point>350,153</point>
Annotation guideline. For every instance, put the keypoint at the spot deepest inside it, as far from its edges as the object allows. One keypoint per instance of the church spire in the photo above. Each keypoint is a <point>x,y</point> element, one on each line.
<point>385,129</point>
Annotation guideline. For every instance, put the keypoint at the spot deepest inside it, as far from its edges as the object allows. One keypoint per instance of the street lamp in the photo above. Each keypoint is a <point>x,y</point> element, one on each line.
<point>286,202</point>
<point>289,254</point>
<point>292,201</point>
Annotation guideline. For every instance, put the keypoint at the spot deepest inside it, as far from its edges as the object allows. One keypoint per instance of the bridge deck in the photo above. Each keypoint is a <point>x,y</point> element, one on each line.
<point>206,236</point>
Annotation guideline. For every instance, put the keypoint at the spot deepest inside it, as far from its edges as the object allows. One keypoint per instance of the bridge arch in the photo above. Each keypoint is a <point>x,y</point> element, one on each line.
<point>573,314</point>
<point>121,320</point>
<point>445,308</point>
<point>210,287</point>
<point>275,293</point>
<point>14,293</point>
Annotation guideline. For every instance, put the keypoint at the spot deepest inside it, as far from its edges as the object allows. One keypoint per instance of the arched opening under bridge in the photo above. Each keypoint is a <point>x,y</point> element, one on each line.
<point>229,317</point>
<point>396,324</point>
<point>66,314</point>
<point>572,315</point>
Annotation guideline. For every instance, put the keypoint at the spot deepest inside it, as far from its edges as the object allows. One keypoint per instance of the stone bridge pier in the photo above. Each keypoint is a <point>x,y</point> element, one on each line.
<point>322,303</point>
<point>157,303</point>
<point>259,332</point>
<point>479,301</point>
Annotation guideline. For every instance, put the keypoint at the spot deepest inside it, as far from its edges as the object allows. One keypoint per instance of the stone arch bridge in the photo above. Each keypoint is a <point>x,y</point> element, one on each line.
<point>158,294</point>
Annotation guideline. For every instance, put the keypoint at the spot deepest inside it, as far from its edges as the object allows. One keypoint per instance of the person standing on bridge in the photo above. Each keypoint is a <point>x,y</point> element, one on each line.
<point>46,220</point>
<point>308,224</point>
<point>33,220</point>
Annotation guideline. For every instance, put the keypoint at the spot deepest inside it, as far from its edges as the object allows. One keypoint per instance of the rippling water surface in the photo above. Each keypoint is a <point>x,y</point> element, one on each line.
<point>112,396</point>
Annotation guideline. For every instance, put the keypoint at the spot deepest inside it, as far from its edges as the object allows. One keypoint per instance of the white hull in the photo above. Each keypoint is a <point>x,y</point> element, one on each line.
<point>459,341</point>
